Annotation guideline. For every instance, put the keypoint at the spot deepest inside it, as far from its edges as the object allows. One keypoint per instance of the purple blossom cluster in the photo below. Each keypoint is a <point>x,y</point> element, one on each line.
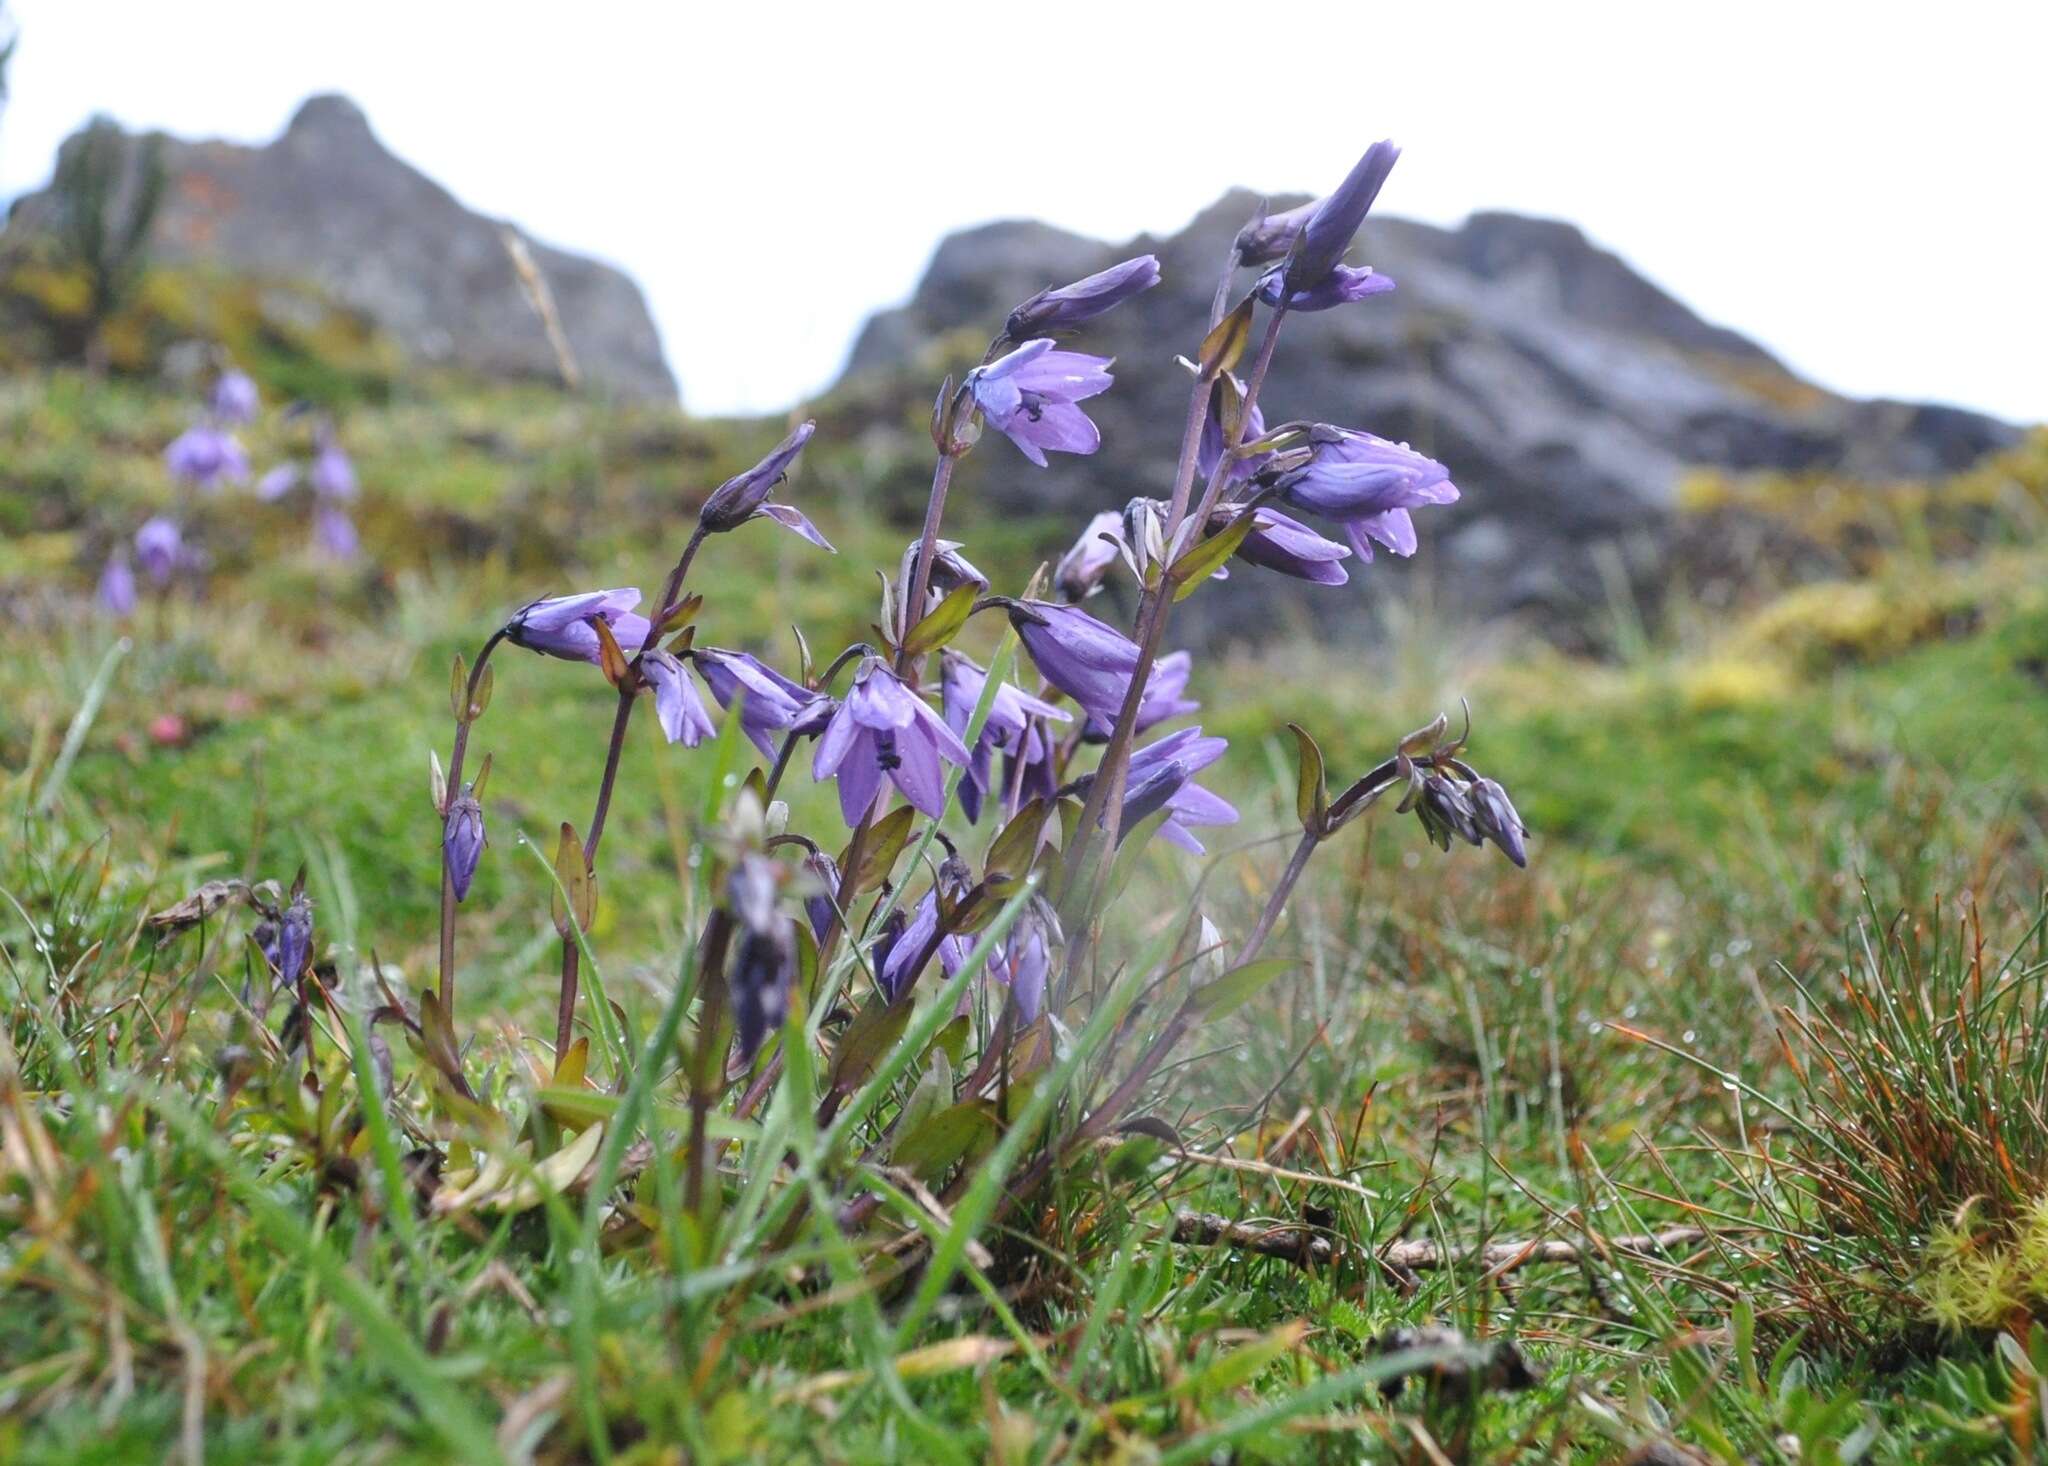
<point>1075,740</point>
<point>208,456</point>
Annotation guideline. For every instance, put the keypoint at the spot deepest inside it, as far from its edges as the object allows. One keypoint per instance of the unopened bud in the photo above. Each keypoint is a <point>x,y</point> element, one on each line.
<point>740,497</point>
<point>462,841</point>
<point>1498,820</point>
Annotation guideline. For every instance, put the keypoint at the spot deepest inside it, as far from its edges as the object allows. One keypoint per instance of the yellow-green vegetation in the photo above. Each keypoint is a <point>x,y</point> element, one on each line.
<point>1776,955</point>
<point>1985,1276</point>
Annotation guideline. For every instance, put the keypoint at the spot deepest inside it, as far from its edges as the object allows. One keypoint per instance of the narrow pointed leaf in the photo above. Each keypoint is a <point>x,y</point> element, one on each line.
<point>1224,346</point>
<point>1311,789</point>
<point>1236,988</point>
<point>1201,562</point>
<point>944,622</point>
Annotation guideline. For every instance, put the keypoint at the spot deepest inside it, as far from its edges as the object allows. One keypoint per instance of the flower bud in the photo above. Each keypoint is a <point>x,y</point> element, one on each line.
<point>160,547</point>
<point>235,398</point>
<point>295,938</point>
<point>1084,300</point>
<point>1327,231</point>
<point>116,591</point>
<point>752,889</point>
<point>1445,811</point>
<point>1148,795</point>
<point>462,841</point>
<point>1498,821</point>
<point>758,981</point>
<point>742,496</point>
<point>1144,535</point>
<point>818,906</point>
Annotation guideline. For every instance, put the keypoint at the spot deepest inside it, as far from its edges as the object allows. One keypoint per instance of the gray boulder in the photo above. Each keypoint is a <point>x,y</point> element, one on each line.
<point>327,205</point>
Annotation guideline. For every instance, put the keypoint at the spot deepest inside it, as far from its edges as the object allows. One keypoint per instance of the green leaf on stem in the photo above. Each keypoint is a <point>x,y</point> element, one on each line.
<point>944,1138</point>
<point>683,614</point>
<point>885,843</point>
<point>1311,789</point>
<point>1237,987</point>
<point>578,880</point>
<point>1131,843</point>
<point>874,1029</point>
<point>944,622</point>
<point>1012,853</point>
<point>481,698</point>
<point>458,689</point>
<point>1224,346</point>
<point>952,1039</point>
<point>1201,562</point>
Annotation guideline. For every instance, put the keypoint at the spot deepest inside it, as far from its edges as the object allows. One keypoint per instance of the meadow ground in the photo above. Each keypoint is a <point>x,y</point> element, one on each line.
<point>1718,1131</point>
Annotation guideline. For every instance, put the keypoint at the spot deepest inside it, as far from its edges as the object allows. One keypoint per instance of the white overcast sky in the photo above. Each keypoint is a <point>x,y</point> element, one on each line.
<point>1860,186</point>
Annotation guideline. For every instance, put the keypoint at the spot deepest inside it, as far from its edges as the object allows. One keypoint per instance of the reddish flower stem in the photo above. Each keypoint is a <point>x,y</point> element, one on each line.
<point>455,757</point>
<point>565,997</point>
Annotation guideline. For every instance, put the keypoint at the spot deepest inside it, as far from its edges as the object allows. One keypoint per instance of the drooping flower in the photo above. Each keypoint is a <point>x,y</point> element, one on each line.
<point>1088,660</point>
<point>295,938</point>
<point>904,954</point>
<point>1334,221</point>
<point>1181,755</point>
<point>278,482</point>
<point>333,476</point>
<point>769,702</point>
<point>1024,961</point>
<point>1082,569</point>
<point>1368,484</point>
<point>1070,305</point>
<point>559,626</point>
<point>882,728</point>
<point>1495,815</point>
<point>820,905</point>
<point>949,571</point>
<point>758,979</point>
<point>116,592</point>
<point>1015,719</point>
<point>335,533</point>
<point>763,962</point>
<point>1031,396</point>
<point>1165,698</point>
<point>1280,543</point>
<point>677,706</point>
<point>235,398</point>
<point>206,457</point>
<point>159,547</point>
<point>744,496</point>
<point>462,842</point>
<point>1148,792</point>
<point>1343,285</point>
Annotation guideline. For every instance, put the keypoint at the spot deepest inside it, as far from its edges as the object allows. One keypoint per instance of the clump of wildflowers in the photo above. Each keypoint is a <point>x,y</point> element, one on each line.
<point>1096,760</point>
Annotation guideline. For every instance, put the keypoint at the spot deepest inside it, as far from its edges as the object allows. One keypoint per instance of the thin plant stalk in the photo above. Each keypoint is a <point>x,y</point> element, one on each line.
<point>921,577</point>
<point>629,689</point>
<point>455,758</point>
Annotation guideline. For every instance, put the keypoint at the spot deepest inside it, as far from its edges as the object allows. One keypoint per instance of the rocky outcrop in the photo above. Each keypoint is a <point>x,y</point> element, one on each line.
<point>327,205</point>
<point>1568,394</point>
